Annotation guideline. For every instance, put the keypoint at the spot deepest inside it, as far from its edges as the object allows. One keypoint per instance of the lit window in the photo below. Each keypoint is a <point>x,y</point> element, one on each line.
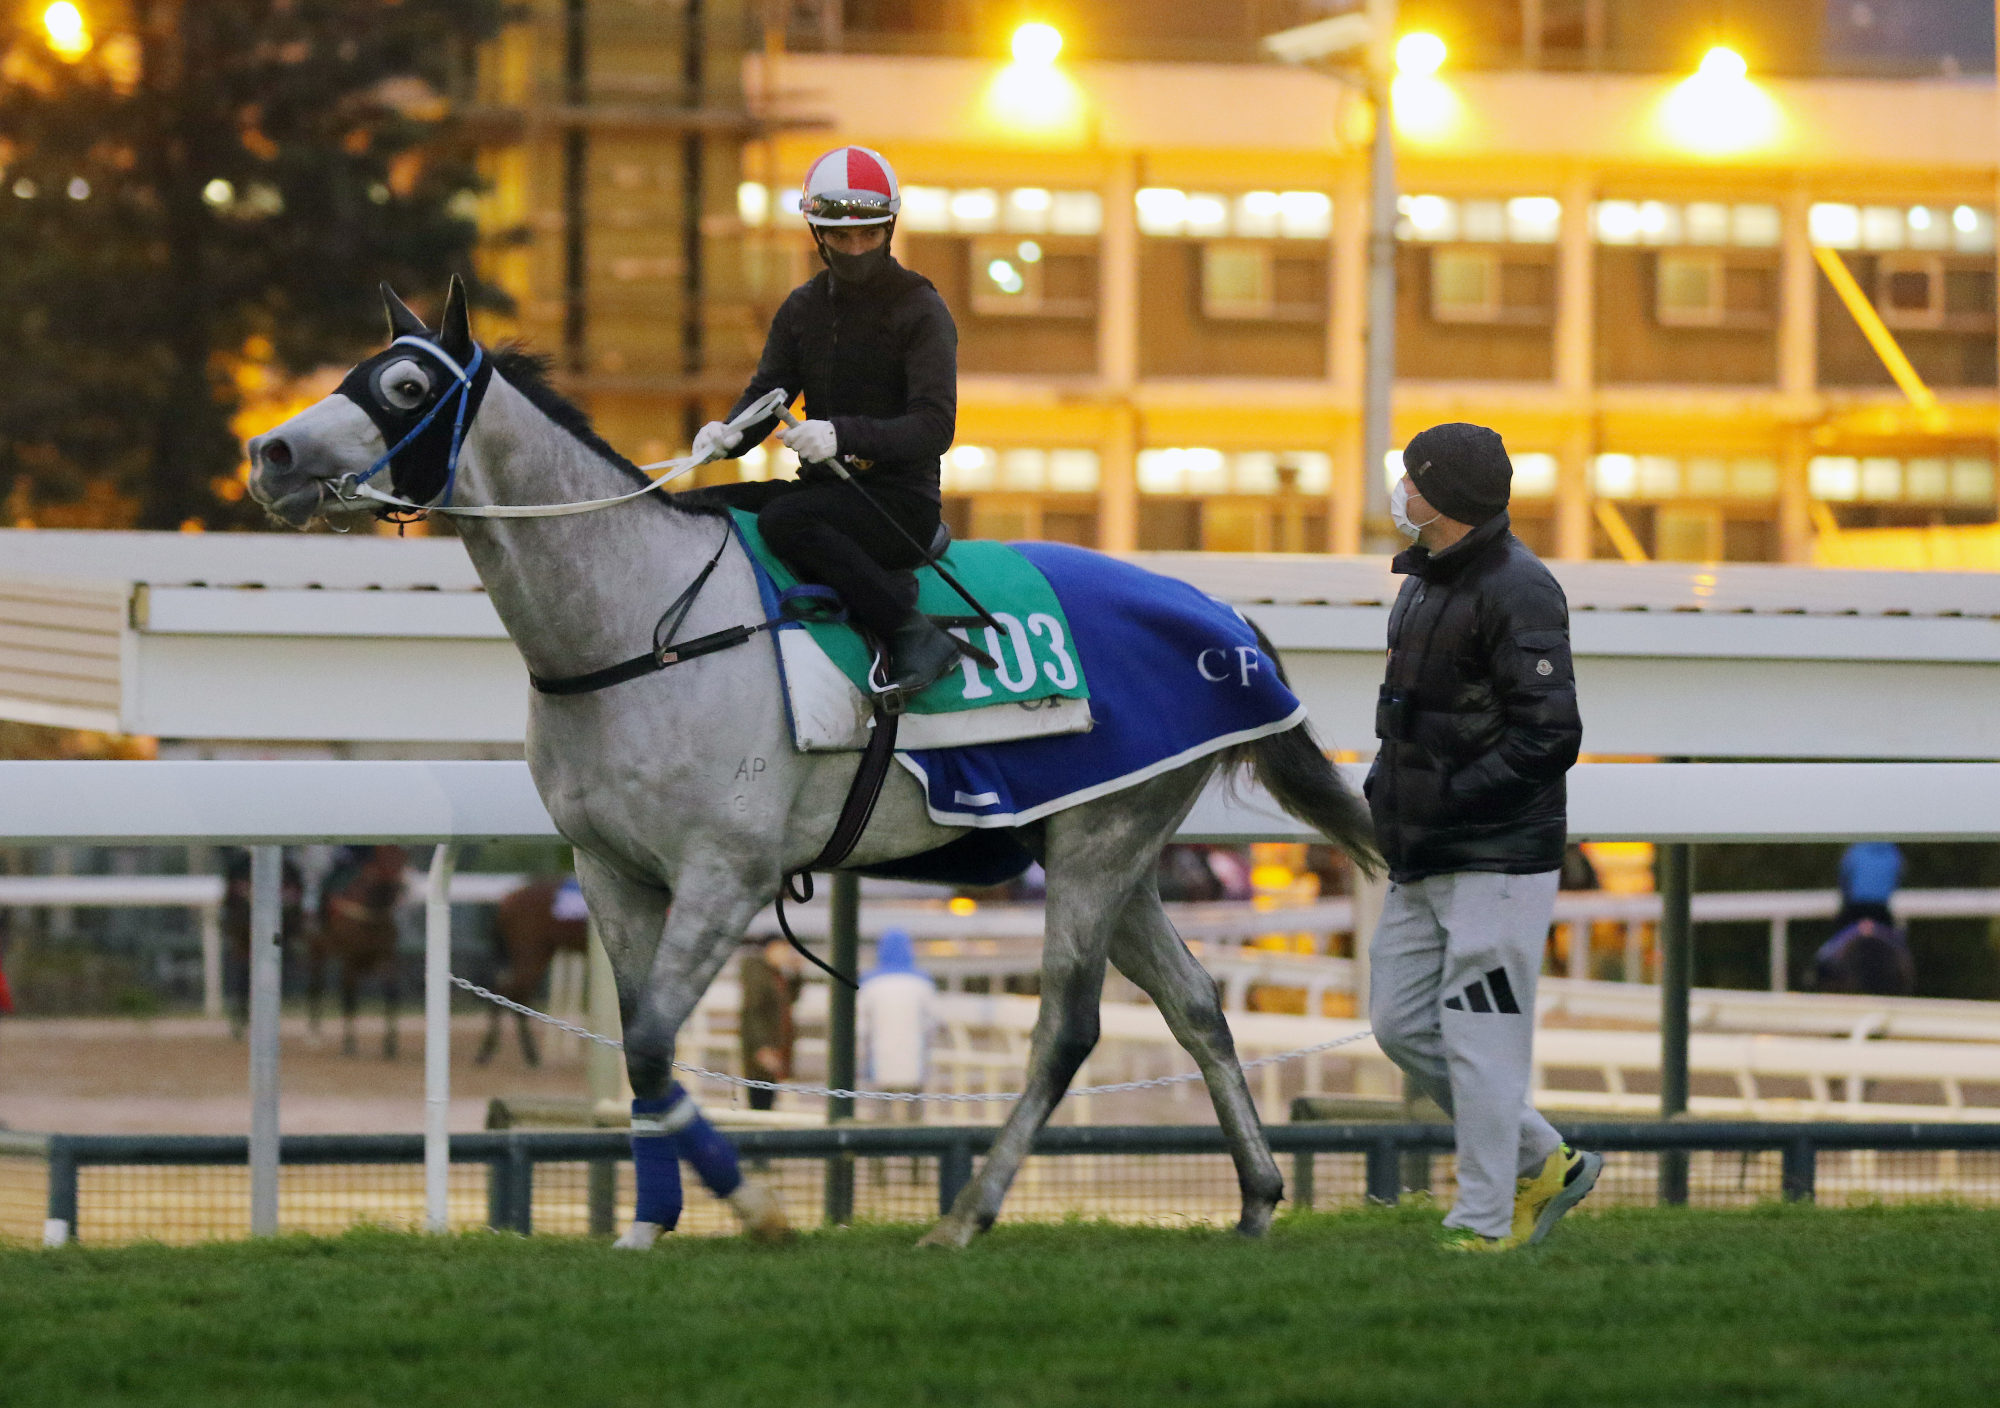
<point>1482,220</point>
<point>1162,210</point>
<point>1706,222</point>
<point>1884,227</point>
<point>753,202</point>
<point>1617,222</point>
<point>1534,219</point>
<point>1305,215</point>
<point>1076,213</point>
<point>926,209</point>
<point>1835,226</point>
<point>1972,230</point>
<point>1028,210</point>
<point>1929,229</point>
<point>1025,471</point>
<point>1753,479</point>
<point>789,202</point>
<point>1534,476</point>
<point>1237,281</point>
<point>1465,285</point>
<point>1707,477</point>
<point>1835,478</point>
<point>1659,223</point>
<point>1427,218</point>
<point>1614,476</point>
<point>974,211</point>
<point>1972,481</point>
<point>1521,220</point>
<point>1687,290</point>
<point>1207,214</point>
<point>1927,480</point>
<point>1659,477</point>
<point>767,462</point>
<point>1255,472</point>
<point>1313,471</point>
<point>1756,226</point>
<point>1257,214</point>
<point>968,469</point>
<point>1881,479</point>
<point>1006,275</point>
<point>1392,467</point>
<point>1074,471</point>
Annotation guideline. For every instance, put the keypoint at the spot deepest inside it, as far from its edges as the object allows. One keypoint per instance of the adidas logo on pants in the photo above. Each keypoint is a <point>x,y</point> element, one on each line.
<point>1451,996</point>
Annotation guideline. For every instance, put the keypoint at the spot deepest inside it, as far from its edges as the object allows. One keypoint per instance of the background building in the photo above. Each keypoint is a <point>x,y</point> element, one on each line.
<point>1155,249</point>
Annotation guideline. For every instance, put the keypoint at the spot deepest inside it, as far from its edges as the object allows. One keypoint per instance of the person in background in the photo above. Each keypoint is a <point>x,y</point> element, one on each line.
<point>771,981</point>
<point>1870,873</point>
<point>895,1014</point>
<point>1869,952</point>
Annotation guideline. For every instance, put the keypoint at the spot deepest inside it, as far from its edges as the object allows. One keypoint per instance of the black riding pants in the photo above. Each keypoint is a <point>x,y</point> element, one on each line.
<point>829,535</point>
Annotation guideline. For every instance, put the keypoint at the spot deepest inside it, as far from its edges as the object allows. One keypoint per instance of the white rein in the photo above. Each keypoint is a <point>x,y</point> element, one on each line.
<point>352,490</point>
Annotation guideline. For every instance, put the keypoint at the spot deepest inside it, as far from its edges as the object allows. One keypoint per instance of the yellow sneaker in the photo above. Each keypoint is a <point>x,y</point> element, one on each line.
<point>1464,1239</point>
<point>1541,1200</point>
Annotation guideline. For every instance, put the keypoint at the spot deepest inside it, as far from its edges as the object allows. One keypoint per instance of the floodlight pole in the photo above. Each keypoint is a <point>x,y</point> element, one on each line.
<point>1377,531</point>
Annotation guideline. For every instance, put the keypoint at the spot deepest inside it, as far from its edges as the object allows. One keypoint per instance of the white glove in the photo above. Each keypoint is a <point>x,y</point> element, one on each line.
<point>715,440</point>
<point>812,442</point>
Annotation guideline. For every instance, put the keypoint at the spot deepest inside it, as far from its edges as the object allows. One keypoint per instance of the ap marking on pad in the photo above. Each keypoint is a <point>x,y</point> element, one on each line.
<point>1246,664</point>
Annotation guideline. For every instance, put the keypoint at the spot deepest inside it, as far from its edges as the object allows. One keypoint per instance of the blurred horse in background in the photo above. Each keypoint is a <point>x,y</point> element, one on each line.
<point>357,930</point>
<point>532,925</point>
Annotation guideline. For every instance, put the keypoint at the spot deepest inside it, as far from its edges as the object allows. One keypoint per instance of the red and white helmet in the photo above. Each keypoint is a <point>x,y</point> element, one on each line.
<point>851,186</point>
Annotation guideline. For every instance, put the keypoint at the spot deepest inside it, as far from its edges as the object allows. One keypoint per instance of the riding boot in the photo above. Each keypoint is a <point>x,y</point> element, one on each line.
<point>919,654</point>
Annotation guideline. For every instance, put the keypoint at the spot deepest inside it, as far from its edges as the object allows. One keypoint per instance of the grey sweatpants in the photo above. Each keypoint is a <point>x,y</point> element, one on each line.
<point>1452,1000</point>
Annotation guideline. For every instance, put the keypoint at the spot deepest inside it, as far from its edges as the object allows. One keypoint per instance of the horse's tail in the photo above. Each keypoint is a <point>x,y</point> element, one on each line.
<point>1291,767</point>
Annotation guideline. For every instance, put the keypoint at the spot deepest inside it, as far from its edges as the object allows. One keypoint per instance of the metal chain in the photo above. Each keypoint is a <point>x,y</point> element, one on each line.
<point>905,1096</point>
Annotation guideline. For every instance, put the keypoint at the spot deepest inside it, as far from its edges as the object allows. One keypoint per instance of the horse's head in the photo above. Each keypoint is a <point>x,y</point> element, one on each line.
<point>403,413</point>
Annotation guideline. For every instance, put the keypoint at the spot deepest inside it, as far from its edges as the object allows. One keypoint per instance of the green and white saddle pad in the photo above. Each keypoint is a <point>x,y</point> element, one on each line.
<point>1038,690</point>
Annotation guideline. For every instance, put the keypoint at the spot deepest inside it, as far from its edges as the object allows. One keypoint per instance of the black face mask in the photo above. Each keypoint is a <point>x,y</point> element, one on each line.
<point>856,269</point>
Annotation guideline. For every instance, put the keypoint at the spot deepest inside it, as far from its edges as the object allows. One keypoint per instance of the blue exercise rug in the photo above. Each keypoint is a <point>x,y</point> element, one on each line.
<point>1174,675</point>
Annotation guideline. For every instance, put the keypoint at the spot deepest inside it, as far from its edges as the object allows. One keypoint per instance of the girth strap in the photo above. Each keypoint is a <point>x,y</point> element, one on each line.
<point>862,796</point>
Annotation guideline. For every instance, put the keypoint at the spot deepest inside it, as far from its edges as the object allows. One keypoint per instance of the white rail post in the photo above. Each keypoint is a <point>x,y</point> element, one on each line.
<point>266,955</point>
<point>1780,933</point>
<point>437,1040</point>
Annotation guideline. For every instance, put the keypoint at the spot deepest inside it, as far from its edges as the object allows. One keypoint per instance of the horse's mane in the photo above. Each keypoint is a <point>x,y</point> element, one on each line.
<point>529,373</point>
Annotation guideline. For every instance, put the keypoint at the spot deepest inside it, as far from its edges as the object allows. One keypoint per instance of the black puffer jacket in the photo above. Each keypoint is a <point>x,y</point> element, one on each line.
<point>1477,714</point>
<point>880,361</point>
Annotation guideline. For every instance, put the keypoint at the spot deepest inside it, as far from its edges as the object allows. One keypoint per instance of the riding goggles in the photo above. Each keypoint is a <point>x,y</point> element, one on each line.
<point>874,208</point>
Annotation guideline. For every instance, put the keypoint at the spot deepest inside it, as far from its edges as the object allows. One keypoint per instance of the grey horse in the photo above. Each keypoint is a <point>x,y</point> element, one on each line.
<point>687,785</point>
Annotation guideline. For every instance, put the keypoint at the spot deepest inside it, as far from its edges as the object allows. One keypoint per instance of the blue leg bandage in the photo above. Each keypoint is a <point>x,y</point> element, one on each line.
<point>669,1129</point>
<point>656,1162</point>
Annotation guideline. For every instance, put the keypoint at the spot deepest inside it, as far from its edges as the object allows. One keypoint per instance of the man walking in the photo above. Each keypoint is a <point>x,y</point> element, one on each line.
<point>1478,723</point>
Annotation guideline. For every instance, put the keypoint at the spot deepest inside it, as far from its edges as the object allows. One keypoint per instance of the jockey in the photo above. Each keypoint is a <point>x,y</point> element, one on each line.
<point>875,352</point>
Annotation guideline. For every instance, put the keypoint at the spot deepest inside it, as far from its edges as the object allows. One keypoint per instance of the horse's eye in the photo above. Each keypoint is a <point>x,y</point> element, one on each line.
<point>404,384</point>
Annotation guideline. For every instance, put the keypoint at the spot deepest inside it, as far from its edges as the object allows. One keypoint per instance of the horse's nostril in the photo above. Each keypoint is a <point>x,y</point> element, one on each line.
<point>275,452</point>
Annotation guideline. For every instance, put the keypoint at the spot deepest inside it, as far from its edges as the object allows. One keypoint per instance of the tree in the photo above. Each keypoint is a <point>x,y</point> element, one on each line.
<point>213,188</point>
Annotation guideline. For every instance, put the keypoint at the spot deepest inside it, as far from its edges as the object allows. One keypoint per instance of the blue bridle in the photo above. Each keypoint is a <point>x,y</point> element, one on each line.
<point>462,396</point>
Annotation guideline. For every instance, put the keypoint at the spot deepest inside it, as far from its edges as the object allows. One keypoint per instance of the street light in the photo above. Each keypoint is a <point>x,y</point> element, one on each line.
<point>1718,111</point>
<point>1037,44</point>
<point>1360,48</point>
<point>69,37</point>
<point>1031,97</point>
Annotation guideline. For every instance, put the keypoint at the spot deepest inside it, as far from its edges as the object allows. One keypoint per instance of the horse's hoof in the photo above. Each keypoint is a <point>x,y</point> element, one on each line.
<point>763,1216</point>
<point>639,1237</point>
<point>1256,1221</point>
<point>951,1233</point>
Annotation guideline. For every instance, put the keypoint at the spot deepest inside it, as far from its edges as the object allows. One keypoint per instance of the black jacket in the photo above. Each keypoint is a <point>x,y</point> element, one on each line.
<point>879,361</point>
<point>1477,716</point>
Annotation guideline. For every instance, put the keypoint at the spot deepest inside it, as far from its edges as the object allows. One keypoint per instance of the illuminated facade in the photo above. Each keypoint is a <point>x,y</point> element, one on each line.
<point>1158,275</point>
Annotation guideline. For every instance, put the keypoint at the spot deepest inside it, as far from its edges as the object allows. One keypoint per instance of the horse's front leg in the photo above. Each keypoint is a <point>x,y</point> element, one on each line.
<point>662,962</point>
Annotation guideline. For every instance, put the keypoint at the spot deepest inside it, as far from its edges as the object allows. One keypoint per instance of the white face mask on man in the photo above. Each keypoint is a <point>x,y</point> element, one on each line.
<point>1399,509</point>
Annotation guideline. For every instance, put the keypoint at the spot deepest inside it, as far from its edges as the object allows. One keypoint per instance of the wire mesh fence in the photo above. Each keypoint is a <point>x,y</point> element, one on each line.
<point>108,1190</point>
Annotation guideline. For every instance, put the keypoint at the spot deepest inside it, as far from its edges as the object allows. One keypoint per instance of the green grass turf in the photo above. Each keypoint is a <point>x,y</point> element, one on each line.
<point>1778,1305</point>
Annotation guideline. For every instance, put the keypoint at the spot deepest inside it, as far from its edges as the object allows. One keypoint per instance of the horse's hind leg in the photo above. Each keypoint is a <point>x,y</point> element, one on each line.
<point>530,1052</point>
<point>1097,856</point>
<point>350,1003</point>
<point>1148,951</point>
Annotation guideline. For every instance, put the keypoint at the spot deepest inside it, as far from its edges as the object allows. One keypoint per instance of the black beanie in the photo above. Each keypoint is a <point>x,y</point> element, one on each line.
<point>1461,470</point>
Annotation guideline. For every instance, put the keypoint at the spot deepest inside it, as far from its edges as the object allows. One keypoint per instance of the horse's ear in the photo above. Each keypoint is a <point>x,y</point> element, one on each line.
<point>455,331</point>
<point>402,322</point>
